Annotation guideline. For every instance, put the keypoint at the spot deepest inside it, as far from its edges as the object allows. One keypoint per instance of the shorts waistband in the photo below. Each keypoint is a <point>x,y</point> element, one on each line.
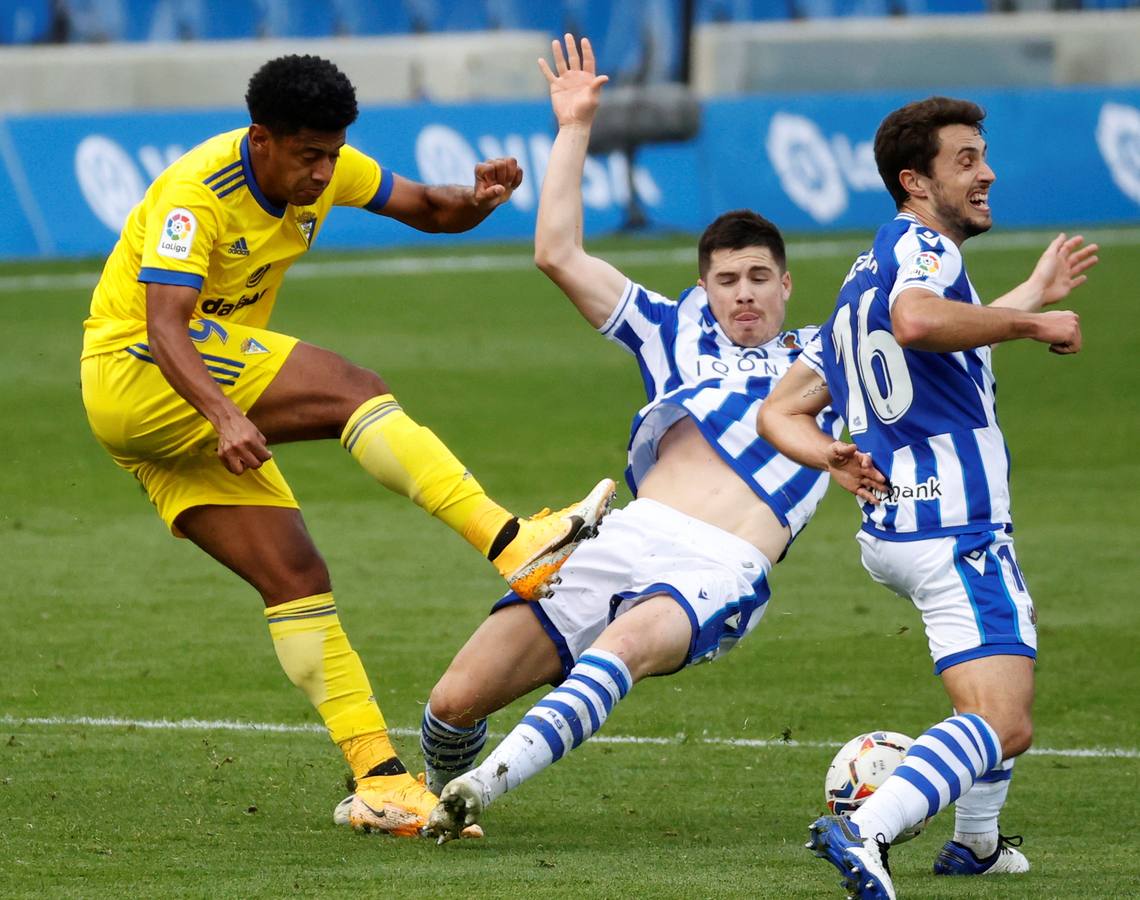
<point>673,519</point>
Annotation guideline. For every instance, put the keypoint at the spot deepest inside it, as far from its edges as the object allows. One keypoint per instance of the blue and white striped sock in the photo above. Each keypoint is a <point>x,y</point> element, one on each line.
<point>559,722</point>
<point>448,750</point>
<point>940,767</point>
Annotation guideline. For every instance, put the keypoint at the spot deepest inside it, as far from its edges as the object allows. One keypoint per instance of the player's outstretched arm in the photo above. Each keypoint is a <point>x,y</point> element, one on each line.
<point>1059,271</point>
<point>451,208</point>
<point>787,421</point>
<point>921,320</point>
<point>592,284</point>
<point>241,445</point>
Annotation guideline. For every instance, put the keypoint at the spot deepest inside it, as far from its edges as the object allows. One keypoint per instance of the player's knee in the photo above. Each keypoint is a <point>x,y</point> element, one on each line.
<point>304,575</point>
<point>1016,736</point>
<point>1014,729</point>
<point>359,384</point>
<point>368,383</point>
<point>641,657</point>
<point>347,386</point>
<point>454,701</point>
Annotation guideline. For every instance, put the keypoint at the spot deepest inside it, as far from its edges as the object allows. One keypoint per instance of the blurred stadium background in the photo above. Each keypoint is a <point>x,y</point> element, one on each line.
<point>715,103</point>
<point>134,666</point>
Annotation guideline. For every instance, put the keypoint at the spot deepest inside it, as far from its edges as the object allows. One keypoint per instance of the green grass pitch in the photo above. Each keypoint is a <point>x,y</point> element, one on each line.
<point>104,615</point>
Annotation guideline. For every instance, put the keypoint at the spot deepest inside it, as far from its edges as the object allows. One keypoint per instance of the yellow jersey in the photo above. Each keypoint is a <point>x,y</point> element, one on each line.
<point>204,223</point>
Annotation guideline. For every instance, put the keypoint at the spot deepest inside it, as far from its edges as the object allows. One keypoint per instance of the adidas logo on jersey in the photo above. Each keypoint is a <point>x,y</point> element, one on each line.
<point>238,248</point>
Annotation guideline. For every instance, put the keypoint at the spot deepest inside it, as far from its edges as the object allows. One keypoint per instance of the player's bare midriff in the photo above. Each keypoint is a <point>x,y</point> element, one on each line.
<point>690,477</point>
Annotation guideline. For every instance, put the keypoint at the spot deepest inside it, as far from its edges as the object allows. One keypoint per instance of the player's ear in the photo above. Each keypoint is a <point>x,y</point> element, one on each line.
<point>786,281</point>
<point>259,136</point>
<point>913,182</point>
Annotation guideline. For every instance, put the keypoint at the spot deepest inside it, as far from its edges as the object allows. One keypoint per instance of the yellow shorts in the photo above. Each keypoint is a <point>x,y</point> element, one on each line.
<point>172,450</point>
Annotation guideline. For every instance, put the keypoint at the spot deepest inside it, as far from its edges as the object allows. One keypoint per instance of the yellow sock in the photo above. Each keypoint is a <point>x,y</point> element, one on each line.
<point>367,750</point>
<point>315,654</point>
<point>410,460</point>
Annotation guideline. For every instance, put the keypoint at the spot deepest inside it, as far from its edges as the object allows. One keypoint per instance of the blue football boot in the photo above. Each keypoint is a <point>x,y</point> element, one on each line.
<point>861,861</point>
<point>958,859</point>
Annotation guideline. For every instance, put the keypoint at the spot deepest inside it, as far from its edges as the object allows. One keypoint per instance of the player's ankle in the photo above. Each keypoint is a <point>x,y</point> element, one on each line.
<point>982,844</point>
<point>506,534</point>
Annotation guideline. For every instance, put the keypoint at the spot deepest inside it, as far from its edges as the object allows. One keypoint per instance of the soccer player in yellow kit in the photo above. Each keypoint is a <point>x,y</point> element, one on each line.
<point>186,388</point>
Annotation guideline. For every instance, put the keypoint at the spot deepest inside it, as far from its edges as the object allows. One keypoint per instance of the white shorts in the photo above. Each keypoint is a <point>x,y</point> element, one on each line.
<point>969,589</point>
<point>719,580</point>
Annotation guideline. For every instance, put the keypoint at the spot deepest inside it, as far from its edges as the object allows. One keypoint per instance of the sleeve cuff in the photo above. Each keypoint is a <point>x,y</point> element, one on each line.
<point>813,364</point>
<point>607,326</point>
<point>168,276</point>
<point>383,192</point>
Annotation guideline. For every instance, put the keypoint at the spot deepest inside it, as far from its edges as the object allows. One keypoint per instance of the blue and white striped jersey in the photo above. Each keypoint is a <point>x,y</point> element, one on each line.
<point>927,419</point>
<point>689,367</point>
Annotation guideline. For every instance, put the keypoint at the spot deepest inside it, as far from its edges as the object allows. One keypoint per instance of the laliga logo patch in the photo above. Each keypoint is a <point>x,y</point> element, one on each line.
<point>928,263</point>
<point>1118,137</point>
<point>177,234</point>
<point>923,266</point>
<point>177,226</point>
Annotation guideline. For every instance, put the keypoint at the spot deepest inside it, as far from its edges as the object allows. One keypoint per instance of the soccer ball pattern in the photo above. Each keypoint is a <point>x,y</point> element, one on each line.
<point>861,766</point>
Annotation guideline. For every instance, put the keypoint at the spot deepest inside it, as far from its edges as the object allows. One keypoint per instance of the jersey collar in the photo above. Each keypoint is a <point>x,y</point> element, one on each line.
<point>276,211</point>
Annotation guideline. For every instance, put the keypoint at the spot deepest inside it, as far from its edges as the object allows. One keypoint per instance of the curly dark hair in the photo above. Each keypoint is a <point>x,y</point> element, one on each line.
<point>736,230</point>
<point>908,137</point>
<point>294,92</point>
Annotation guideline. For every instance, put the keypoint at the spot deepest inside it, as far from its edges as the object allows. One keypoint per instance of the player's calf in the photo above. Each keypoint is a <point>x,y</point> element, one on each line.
<point>449,750</point>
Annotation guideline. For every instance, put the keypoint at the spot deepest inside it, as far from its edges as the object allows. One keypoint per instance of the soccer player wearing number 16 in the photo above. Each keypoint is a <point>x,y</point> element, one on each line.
<point>906,357</point>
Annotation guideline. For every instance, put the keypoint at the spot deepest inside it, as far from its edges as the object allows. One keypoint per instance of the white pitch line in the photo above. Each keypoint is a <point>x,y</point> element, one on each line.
<point>509,262</point>
<point>233,725</point>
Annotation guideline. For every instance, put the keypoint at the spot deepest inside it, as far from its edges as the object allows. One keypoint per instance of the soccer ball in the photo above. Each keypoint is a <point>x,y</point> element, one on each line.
<point>861,766</point>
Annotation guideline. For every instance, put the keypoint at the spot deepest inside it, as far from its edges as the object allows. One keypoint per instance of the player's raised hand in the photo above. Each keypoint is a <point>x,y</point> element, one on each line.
<point>1062,267</point>
<point>495,181</point>
<point>575,86</point>
<point>853,471</point>
<point>241,445</point>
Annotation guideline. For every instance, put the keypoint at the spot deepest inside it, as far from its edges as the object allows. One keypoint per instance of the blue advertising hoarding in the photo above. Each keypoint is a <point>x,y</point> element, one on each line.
<point>1063,157</point>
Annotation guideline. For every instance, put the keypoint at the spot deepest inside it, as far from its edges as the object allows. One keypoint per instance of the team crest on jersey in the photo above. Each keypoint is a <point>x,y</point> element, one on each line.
<point>306,224</point>
<point>923,266</point>
<point>177,234</point>
<point>789,341</point>
<point>251,347</point>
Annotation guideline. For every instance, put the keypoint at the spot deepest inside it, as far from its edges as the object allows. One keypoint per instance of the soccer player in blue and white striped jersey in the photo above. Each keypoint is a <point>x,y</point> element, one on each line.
<point>679,575</point>
<point>906,357</point>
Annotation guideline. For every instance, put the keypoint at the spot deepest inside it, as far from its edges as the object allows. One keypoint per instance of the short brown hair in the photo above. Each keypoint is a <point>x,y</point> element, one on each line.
<point>908,137</point>
<point>736,230</point>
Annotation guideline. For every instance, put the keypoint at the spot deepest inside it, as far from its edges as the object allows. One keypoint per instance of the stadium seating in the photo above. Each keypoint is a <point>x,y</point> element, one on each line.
<point>368,18</point>
<point>25,22</point>
<point>943,7</point>
<point>714,11</point>
<point>833,9</point>
<point>642,36</point>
